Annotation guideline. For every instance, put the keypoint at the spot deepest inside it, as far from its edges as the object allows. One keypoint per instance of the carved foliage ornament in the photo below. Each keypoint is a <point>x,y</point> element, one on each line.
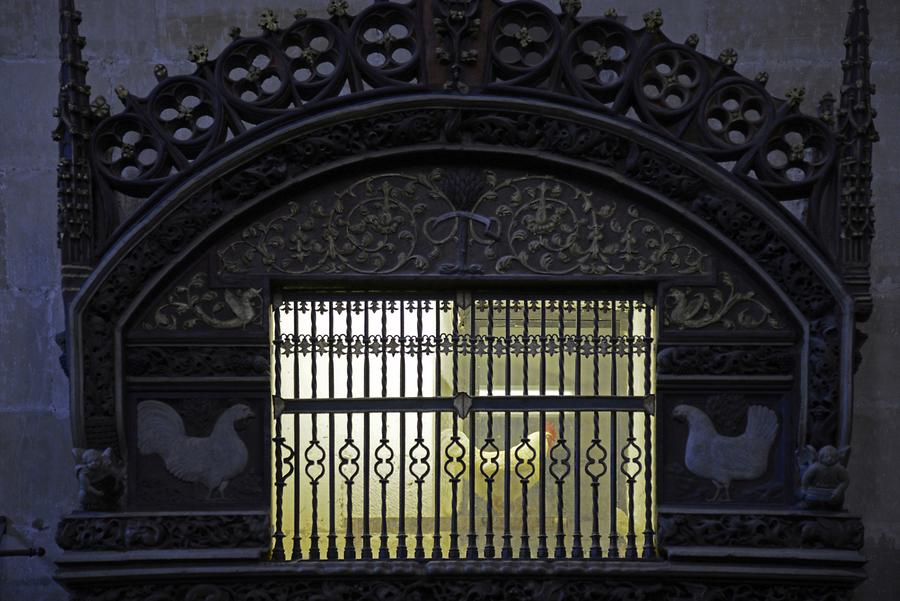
<point>131,532</point>
<point>193,304</point>
<point>725,307</point>
<point>475,222</point>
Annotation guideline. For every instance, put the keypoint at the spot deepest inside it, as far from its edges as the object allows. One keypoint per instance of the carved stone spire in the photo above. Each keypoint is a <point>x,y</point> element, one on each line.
<point>76,228</point>
<point>856,134</point>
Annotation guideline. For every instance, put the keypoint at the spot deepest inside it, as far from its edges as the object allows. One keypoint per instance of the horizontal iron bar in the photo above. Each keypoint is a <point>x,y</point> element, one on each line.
<point>532,402</point>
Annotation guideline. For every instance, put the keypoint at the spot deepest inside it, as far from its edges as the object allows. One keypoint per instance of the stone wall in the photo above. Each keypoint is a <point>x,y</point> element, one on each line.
<point>797,42</point>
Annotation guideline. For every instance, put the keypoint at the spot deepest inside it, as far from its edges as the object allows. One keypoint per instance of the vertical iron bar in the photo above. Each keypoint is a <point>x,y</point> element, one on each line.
<point>472,548</point>
<point>278,548</point>
<point>454,480</point>
<point>349,548</point>
<point>649,546</point>
<point>630,538</point>
<point>314,482</point>
<point>366,552</point>
<point>402,551</point>
<point>489,550</point>
<point>596,549</point>
<point>332,533</point>
<point>577,548</point>
<point>543,464</point>
<point>436,552</point>
<point>383,551</point>
<point>524,548</point>
<point>420,550</point>
<point>296,552</point>
<point>506,552</point>
<point>560,550</point>
<point>613,440</point>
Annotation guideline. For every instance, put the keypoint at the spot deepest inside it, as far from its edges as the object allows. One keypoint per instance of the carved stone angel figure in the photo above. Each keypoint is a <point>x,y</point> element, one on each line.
<point>100,479</point>
<point>825,478</point>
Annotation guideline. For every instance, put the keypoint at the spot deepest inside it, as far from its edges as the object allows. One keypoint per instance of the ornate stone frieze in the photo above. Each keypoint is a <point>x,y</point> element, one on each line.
<point>194,305</point>
<point>466,222</point>
<point>496,588</point>
<point>124,532</point>
<point>694,308</point>
<point>197,361</point>
<point>721,360</point>
<point>759,530</point>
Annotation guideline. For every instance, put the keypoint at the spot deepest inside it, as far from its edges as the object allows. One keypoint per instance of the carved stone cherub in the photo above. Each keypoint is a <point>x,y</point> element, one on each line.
<point>825,481</point>
<point>101,480</point>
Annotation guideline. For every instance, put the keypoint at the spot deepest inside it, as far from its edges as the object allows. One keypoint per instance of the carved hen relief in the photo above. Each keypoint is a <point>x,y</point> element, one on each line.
<point>212,460</point>
<point>724,459</point>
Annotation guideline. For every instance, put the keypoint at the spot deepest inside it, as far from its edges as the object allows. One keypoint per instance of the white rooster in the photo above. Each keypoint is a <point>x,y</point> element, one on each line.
<point>534,441</point>
<point>723,459</point>
<point>210,460</point>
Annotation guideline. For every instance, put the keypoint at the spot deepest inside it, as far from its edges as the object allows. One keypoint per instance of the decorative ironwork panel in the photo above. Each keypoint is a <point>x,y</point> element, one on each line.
<point>474,426</point>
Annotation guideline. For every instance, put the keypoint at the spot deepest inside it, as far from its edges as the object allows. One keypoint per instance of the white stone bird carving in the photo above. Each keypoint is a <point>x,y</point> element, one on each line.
<point>723,459</point>
<point>210,460</point>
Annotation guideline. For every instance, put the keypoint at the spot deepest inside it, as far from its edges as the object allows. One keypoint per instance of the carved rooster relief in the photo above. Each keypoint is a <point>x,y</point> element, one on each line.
<point>210,460</point>
<point>723,459</point>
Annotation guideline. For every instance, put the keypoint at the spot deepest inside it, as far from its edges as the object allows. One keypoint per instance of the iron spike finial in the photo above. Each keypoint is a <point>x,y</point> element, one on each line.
<point>268,21</point>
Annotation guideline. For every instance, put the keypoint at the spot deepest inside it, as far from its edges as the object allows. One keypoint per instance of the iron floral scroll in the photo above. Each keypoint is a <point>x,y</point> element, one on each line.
<point>464,221</point>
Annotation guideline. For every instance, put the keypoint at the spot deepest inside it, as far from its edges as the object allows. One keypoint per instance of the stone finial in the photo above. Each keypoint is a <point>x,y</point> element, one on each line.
<point>762,78</point>
<point>121,92</point>
<point>300,13</point>
<point>728,57</point>
<point>100,108</point>
<point>198,54</point>
<point>653,20</point>
<point>234,33</point>
<point>692,40</point>
<point>795,96</point>
<point>826,109</point>
<point>160,72</point>
<point>570,7</point>
<point>268,21</point>
<point>338,8</point>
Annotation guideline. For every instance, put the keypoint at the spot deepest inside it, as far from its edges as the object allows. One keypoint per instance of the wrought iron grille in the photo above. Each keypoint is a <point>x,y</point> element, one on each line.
<point>473,426</point>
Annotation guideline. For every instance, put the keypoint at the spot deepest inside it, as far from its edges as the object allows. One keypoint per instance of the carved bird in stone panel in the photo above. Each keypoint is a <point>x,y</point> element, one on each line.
<point>724,459</point>
<point>210,460</point>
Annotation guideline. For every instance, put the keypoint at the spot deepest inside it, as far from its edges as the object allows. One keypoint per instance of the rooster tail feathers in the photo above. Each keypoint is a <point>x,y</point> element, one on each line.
<point>762,423</point>
<point>159,426</point>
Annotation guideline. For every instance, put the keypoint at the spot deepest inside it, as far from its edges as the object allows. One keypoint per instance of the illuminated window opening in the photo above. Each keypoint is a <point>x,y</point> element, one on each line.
<point>367,388</point>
